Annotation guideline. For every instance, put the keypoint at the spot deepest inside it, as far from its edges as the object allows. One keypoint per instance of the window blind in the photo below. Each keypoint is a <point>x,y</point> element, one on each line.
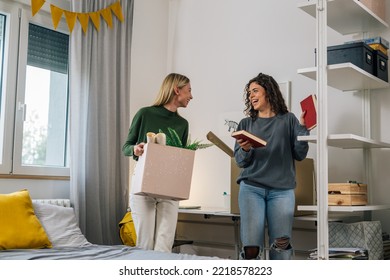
<point>47,49</point>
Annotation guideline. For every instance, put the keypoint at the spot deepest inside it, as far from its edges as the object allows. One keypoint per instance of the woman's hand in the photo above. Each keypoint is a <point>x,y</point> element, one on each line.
<point>302,118</point>
<point>139,149</point>
<point>244,144</point>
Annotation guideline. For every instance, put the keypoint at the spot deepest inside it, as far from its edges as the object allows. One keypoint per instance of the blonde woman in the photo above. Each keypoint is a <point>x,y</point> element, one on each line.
<point>155,218</point>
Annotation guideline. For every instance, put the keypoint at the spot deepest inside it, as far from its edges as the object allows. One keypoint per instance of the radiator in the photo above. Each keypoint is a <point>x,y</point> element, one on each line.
<point>55,201</point>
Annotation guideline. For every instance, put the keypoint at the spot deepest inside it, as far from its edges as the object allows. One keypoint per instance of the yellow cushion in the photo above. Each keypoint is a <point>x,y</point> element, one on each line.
<point>19,227</point>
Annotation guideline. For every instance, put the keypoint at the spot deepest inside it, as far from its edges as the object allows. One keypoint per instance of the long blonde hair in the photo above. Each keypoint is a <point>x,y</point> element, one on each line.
<point>167,89</point>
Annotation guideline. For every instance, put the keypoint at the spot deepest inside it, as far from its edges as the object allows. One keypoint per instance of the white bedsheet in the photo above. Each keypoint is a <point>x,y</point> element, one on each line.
<point>95,252</point>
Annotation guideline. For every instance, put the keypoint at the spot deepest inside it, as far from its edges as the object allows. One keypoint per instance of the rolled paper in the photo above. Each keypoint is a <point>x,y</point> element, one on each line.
<point>161,138</point>
<point>150,137</point>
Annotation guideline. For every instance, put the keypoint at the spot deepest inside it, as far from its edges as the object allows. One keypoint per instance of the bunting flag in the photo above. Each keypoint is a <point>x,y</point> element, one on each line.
<point>106,14</point>
<point>83,18</point>
<point>56,14</point>
<point>70,19</point>
<point>36,5</point>
<point>95,17</point>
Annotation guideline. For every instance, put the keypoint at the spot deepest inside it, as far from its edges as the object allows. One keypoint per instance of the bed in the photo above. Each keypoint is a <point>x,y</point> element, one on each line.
<point>48,230</point>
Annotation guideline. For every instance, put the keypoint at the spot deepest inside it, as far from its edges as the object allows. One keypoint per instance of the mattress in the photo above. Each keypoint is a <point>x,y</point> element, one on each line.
<point>95,252</point>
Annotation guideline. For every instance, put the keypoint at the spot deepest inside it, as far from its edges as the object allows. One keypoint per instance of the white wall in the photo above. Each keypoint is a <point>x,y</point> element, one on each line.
<point>149,51</point>
<point>220,45</point>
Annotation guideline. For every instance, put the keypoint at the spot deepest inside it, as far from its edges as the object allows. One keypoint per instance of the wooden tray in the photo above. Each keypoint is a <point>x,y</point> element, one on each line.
<point>347,199</point>
<point>349,194</point>
<point>347,188</point>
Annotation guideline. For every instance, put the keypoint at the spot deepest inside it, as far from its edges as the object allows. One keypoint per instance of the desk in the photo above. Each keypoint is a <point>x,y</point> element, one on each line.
<point>300,225</point>
<point>209,213</point>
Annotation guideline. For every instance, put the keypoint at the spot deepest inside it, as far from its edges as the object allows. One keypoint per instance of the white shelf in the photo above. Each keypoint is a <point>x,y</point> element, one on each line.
<point>333,217</point>
<point>345,208</point>
<point>347,16</point>
<point>347,141</point>
<point>347,77</point>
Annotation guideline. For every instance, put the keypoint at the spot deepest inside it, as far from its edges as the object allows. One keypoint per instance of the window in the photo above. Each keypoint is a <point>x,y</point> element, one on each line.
<point>45,98</point>
<point>38,131</point>
<point>9,41</point>
<point>2,37</point>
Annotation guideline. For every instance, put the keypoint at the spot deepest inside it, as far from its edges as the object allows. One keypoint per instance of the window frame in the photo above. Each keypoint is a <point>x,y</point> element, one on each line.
<point>9,84</point>
<point>12,163</point>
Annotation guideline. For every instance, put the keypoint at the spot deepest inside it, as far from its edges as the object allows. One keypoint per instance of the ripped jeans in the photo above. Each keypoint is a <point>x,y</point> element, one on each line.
<point>258,207</point>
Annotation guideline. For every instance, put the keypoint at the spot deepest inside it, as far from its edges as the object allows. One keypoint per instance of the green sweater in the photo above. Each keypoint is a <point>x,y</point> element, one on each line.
<point>152,119</point>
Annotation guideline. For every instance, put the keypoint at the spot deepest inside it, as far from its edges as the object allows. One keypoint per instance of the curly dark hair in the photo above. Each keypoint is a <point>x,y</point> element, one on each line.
<point>273,95</point>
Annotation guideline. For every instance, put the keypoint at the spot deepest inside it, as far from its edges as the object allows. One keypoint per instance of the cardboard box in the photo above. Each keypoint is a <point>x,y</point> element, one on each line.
<point>304,192</point>
<point>378,7</point>
<point>348,194</point>
<point>164,172</point>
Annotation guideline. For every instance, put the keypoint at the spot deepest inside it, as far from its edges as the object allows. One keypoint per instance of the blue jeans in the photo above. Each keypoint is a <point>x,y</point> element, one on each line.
<point>259,206</point>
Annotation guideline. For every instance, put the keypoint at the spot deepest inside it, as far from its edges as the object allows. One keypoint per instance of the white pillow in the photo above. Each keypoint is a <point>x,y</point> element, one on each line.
<point>60,224</point>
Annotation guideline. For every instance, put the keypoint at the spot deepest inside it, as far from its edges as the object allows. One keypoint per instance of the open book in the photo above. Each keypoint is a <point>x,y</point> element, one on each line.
<point>309,104</point>
<point>245,135</point>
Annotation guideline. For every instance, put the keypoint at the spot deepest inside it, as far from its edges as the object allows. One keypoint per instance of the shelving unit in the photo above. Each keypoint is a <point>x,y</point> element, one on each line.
<point>347,141</point>
<point>347,77</point>
<point>345,17</point>
<point>345,208</point>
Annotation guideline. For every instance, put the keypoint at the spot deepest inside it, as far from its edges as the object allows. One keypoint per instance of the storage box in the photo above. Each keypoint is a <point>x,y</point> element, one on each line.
<point>349,194</point>
<point>164,172</point>
<point>304,192</point>
<point>376,43</point>
<point>379,47</point>
<point>378,7</point>
<point>380,65</point>
<point>377,40</point>
<point>358,53</point>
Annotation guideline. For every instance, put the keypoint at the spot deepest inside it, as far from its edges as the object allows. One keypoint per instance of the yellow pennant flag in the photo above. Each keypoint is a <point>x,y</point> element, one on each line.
<point>70,19</point>
<point>56,14</point>
<point>83,19</point>
<point>95,17</point>
<point>117,10</point>
<point>106,13</point>
<point>36,5</point>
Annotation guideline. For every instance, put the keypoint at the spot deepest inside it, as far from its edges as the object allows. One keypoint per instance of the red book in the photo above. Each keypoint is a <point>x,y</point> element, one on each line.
<point>255,141</point>
<point>309,104</point>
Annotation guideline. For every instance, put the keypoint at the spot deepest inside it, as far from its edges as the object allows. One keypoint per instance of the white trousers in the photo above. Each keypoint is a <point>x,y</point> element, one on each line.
<point>155,221</point>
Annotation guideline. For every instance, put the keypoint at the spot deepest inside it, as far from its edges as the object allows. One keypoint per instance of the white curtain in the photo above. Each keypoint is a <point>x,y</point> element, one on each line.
<point>99,121</point>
